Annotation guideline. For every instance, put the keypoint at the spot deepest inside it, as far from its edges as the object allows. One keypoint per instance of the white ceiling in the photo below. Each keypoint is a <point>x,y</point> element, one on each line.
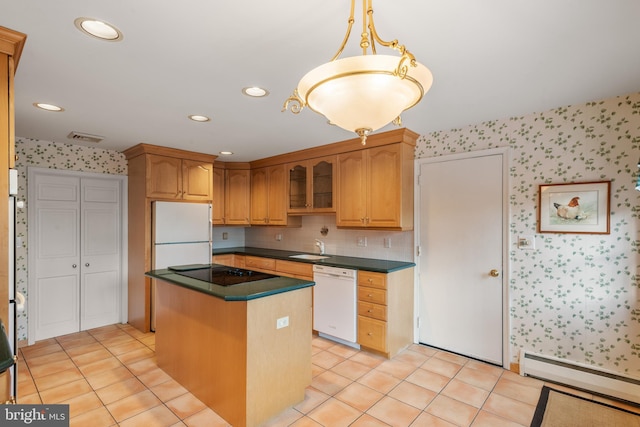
<point>490,59</point>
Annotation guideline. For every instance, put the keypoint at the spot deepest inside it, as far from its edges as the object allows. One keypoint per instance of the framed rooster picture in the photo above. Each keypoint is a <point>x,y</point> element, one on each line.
<point>574,208</point>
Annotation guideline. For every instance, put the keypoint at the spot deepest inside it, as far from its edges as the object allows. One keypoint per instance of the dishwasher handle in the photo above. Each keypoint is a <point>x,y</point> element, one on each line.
<point>337,276</point>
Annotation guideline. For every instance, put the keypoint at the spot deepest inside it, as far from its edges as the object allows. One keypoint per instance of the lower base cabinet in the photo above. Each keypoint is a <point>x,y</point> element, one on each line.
<point>385,311</point>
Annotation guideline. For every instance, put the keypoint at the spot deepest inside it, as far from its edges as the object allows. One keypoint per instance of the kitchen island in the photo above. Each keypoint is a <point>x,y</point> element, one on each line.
<point>244,350</point>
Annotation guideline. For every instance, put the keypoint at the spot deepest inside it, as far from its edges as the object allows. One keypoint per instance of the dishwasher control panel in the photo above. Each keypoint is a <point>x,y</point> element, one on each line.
<point>335,271</point>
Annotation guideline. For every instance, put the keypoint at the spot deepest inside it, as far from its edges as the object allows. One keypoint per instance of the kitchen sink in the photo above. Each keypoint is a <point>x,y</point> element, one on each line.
<point>309,257</point>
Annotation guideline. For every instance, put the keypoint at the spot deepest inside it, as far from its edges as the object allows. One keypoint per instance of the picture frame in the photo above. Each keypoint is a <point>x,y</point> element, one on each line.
<point>581,208</point>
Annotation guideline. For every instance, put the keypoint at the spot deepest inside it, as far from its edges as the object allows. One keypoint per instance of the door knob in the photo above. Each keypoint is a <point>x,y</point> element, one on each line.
<point>494,273</point>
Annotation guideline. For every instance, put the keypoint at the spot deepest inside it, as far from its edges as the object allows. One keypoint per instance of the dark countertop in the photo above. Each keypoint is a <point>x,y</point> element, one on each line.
<point>239,292</point>
<point>366,264</point>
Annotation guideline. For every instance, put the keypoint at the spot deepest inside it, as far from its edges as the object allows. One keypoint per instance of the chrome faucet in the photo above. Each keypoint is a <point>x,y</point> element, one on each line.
<point>320,244</point>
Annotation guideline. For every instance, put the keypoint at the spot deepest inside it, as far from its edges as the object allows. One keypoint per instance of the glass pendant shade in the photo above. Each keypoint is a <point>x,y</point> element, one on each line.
<point>363,92</point>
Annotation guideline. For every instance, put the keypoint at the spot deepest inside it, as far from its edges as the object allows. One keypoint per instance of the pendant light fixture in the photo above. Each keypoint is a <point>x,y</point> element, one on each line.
<point>363,93</point>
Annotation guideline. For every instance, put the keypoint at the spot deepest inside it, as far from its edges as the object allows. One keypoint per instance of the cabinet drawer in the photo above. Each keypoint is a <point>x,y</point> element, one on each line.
<point>375,311</point>
<point>371,279</point>
<point>372,333</point>
<point>378,296</point>
<point>225,259</point>
<point>294,268</point>
<point>259,263</point>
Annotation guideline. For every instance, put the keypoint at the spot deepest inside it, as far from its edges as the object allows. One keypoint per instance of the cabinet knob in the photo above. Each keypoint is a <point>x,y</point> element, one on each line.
<point>370,334</point>
<point>74,265</point>
<point>368,311</point>
<point>370,295</point>
<point>86,265</point>
<point>370,280</point>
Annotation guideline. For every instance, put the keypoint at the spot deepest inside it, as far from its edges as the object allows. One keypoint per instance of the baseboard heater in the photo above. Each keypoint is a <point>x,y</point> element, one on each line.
<point>581,376</point>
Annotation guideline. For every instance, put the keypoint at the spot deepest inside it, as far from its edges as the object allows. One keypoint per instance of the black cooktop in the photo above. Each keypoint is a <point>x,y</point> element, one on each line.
<point>224,276</point>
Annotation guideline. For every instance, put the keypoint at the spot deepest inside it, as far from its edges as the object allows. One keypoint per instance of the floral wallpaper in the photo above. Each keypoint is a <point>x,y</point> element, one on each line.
<point>44,154</point>
<point>576,296</point>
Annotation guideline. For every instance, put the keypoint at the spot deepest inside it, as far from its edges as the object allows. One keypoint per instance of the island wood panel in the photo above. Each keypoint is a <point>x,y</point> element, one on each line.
<point>278,360</point>
<point>230,354</point>
<point>201,342</point>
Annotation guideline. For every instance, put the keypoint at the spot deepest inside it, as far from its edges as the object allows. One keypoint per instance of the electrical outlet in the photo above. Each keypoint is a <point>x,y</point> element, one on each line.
<point>387,242</point>
<point>278,237</point>
<point>225,235</point>
<point>282,322</point>
<point>362,241</point>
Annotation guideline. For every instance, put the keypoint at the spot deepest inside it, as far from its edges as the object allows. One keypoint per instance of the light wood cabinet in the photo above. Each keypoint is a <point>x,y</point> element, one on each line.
<point>218,204</point>
<point>298,270</point>
<point>11,45</point>
<point>231,195</point>
<point>385,311</point>
<point>268,196</point>
<point>237,196</point>
<point>375,188</point>
<point>179,179</point>
<point>157,173</point>
<point>312,186</point>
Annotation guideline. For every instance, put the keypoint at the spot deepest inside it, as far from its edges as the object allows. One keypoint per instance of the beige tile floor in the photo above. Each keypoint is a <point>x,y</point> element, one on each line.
<point>109,377</point>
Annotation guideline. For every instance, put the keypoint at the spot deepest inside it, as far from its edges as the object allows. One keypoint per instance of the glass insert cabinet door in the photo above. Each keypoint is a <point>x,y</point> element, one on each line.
<point>323,185</point>
<point>312,185</point>
<point>298,187</point>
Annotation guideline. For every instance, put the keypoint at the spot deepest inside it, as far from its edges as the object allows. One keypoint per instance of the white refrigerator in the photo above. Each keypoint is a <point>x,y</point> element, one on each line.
<point>181,235</point>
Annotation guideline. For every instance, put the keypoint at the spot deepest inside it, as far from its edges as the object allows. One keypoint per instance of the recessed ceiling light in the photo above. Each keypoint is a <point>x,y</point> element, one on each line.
<point>255,91</point>
<point>198,118</point>
<point>48,107</point>
<point>226,153</point>
<point>98,29</point>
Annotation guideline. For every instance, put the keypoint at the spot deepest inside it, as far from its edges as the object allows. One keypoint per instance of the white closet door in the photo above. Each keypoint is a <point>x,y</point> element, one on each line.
<point>57,255</point>
<point>77,245</point>
<point>100,253</point>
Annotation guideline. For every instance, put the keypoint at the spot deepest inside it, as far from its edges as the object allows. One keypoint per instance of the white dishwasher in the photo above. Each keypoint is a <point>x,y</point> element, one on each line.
<point>335,303</point>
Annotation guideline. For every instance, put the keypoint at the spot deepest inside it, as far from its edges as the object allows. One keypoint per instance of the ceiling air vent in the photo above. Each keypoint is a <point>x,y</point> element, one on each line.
<point>85,137</point>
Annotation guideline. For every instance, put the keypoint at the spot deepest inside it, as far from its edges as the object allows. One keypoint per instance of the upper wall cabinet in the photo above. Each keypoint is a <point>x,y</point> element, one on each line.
<point>179,179</point>
<point>231,197</point>
<point>312,186</point>
<point>375,188</point>
<point>268,196</point>
<point>170,174</point>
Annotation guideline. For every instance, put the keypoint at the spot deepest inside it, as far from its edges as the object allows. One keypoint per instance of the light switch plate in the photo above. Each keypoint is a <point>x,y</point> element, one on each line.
<point>362,241</point>
<point>527,242</point>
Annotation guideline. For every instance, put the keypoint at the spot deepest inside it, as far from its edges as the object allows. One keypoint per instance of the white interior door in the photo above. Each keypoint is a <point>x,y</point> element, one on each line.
<point>100,253</point>
<point>57,256</point>
<point>461,231</point>
<point>75,226</point>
